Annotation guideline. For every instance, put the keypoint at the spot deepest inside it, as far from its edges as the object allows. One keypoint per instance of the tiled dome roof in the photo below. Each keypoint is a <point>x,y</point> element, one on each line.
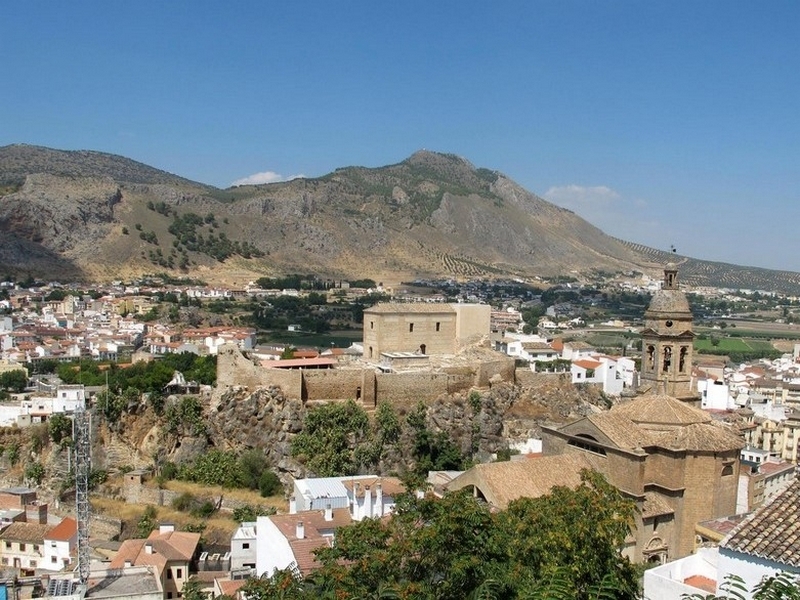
<point>669,301</point>
<point>660,410</point>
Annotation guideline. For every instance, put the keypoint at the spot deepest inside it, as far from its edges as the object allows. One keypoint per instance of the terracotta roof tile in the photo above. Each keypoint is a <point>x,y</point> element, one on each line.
<point>503,482</point>
<point>303,551</point>
<point>25,532</point>
<point>64,531</point>
<point>771,532</point>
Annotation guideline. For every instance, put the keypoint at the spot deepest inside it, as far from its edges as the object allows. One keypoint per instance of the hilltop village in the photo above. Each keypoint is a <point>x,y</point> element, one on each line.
<point>706,448</point>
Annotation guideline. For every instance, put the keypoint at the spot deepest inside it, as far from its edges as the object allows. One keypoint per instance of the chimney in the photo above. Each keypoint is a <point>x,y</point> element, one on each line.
<point>378,499</point>
<point>166,527</point>
<point>148,548</point>
<point>128,563</point>
<point>292,505</point>
<point>328,512</point>
<point>367,502</point>
<point>300,531</point>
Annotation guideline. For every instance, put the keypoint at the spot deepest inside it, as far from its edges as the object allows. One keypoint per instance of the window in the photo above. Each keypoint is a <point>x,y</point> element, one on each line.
<point>178,573</point>
<point>169,595</point>
<point>5,560</point>
<point>21,547</point>
<point>8,545</point>
<point>246,546</point>
<point>372,324</point>
<point>53,559</point>
<point>437,326</point>
<point>36,547</point>
<point>169,573</point>
<point>33,564</point>
<point>410,328</point>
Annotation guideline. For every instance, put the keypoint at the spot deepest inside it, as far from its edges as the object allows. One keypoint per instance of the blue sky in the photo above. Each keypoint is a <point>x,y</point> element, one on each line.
<point>664,123</point>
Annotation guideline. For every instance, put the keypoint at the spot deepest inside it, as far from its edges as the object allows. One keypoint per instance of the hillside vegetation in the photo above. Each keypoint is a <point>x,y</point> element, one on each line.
<point>94,216</point>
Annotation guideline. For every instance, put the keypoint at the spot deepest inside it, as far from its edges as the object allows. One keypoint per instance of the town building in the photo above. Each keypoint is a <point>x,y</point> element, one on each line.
<point>169,552</point>
<point>762,545</point>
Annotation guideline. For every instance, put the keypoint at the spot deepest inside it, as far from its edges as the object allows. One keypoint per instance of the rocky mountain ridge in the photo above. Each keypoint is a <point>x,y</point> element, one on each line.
<point>92,216</point>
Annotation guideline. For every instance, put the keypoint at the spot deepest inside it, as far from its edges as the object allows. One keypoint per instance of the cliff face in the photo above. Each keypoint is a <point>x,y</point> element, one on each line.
<point>480,422</point>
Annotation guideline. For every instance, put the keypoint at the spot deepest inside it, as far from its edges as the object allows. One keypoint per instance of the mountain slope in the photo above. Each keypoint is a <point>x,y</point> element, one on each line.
<point>91,215</point>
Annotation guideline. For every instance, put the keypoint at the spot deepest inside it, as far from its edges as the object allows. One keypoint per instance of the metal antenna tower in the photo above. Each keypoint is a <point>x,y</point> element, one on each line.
<point>82,433</point>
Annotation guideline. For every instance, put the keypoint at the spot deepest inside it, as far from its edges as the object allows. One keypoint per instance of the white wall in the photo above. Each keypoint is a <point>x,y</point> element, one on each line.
<point>58,550</point>
<point>665,582</point>
<point>272,548</point>
<point>750,568</point>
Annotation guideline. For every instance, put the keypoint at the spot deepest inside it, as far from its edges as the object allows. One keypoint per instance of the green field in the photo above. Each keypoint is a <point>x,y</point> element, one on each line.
<point>337,339</point>
<point>732,345</point>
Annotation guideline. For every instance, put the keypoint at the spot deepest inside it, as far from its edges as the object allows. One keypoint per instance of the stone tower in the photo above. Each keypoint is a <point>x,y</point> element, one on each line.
<point>667,340</point>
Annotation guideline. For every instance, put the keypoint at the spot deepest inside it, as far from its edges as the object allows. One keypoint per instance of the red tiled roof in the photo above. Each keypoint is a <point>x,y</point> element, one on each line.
<point>701,583</point>
<point>64,531</point>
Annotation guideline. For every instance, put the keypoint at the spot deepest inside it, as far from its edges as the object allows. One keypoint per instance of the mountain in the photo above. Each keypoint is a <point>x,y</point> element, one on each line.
<point>96,216</point>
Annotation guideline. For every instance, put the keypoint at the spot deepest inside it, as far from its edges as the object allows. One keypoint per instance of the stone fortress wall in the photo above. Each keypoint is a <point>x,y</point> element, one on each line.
<point>367,384</point>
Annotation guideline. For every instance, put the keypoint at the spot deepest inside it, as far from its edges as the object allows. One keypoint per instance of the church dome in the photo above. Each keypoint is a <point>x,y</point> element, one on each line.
<point>669,301</point>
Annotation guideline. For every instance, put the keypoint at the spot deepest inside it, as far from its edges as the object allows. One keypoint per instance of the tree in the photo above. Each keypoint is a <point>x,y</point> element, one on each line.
<point>193,590</point>
<point>783,586</point>
<point>456,547</point>
<point>35,472</point>
<point>59,427</point>
<point>147,522</point>
<point>14,381</point>
<point>330,437</point>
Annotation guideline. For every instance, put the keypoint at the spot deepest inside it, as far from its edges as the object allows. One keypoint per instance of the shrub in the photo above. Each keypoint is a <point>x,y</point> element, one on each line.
<point>269,484</point>
<point>35,472</point>
<point>184,503</point>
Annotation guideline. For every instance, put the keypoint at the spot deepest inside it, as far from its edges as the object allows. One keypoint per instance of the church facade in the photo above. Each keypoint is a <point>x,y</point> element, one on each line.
<point>672,459</point>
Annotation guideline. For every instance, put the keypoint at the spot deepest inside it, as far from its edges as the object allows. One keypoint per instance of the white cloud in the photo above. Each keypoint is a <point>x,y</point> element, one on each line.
<point>264,177</point>
<point>603,207</point>
<point>581,198</point>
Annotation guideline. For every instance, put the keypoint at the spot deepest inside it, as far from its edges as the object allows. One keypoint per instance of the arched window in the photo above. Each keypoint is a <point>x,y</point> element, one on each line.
<point>667,358</point>
<point>682,360</point>
<point>651,357</point>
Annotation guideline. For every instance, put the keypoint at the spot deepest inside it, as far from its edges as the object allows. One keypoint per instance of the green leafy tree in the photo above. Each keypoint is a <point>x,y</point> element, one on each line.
<point>12,453</point>
<point>147,522</point>
<point>35,472</point>
<point>60,428</point>
<point>433,451</point>
<point>329,439</point>
<point>456,547</point>
<point>252,464</point>
<point>14,381</point>
<point>193,590</point>
<point>249,513</point>
<point>269,484</point>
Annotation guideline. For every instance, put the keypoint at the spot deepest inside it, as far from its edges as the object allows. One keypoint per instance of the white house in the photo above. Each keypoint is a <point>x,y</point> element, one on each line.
<point>243,547</point>
<point>69,398</point>
<point>714,394</point>
<point>363,495</point>
<point>60,544</point>
<point>288,541</point>
<point>601,370</point>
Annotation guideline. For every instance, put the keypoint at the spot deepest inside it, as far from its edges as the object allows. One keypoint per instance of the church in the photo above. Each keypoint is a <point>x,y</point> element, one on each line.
<point>669,457</point>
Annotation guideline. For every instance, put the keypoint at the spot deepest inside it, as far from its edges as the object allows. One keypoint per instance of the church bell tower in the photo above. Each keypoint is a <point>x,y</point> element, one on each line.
<point>667,341</point>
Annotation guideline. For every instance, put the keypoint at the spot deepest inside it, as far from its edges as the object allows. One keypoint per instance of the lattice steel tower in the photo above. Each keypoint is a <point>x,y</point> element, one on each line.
<point>82,434</point>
